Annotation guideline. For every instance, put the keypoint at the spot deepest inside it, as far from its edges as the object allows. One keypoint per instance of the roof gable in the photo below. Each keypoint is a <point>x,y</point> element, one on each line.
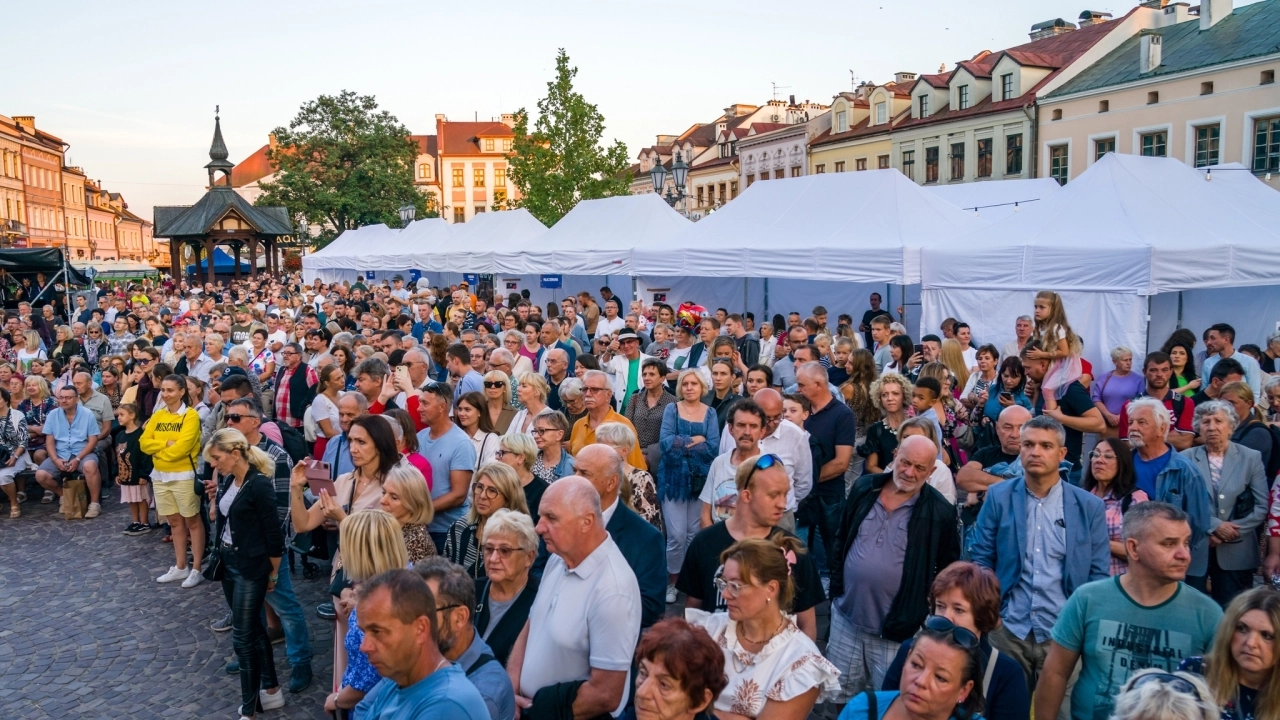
<point>198,219</point>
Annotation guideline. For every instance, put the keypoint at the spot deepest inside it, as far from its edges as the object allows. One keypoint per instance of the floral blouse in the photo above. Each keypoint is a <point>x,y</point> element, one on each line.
<point>788,666</point>
<point>36,414</point>
<point>644,498</point>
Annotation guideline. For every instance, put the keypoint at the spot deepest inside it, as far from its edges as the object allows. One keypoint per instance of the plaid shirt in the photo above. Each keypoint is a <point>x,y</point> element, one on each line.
<point>1114,516</point>
<point>282,393</point>
<point>281,479</point>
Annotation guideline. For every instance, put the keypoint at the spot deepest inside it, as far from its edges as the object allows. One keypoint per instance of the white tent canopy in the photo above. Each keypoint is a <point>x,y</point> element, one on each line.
<point>864,227</point>
<point>472,244</point>
<point>995,200</point>
<point>596,237</point>
<point>377,248</point>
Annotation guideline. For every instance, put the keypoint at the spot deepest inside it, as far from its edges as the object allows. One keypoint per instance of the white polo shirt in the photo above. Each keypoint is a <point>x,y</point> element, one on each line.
<point>790,443</point>
<point>584,618</point>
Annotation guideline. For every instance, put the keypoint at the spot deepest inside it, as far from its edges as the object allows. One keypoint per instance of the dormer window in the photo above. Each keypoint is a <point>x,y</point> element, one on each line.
<point>488,144</point>
<point>842,121</point>
<point>1006,86</point>
<point>963,95</point>
<point>924,106</point>
<point>882,113</point>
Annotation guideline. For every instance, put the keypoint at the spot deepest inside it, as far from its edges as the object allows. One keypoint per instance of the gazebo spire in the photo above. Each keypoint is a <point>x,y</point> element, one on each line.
<point>218,153</point>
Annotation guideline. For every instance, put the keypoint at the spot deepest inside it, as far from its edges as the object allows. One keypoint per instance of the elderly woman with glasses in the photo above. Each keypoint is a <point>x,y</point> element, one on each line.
<point>531,391</point>
<point>497,395</point>
<point>572,394</point>
<point>638,490</point>
<point>550,428</point>
<point>520,453</point>
<point>513,342</point>
<point>1236,481</point>
<point>495,487</point>
<point>509,546</point>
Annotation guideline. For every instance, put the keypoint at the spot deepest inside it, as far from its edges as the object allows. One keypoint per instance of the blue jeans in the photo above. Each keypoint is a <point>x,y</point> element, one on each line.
<point>249,636</point>
<point>297,639</point>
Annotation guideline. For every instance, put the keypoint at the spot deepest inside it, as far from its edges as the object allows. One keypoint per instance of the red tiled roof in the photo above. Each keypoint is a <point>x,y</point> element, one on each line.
<point>252,169</point>
<point>862,129</point>
<point>938,80</point>
<point>462,138</point>
<point>762,128</point>
<point>1054,52</point>
<point>714,163</point>
<point>426,144</point>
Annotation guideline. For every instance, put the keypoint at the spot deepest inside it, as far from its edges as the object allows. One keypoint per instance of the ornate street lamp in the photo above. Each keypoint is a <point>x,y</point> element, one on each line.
<point>406,215</point>
<point>679,173</point>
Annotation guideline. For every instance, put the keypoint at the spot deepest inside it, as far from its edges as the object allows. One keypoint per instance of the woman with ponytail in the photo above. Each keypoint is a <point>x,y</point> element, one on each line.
<point>251,540</point>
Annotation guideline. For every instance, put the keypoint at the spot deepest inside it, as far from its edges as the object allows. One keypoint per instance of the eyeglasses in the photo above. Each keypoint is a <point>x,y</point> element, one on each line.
<point>963,636</point>
<point>503,551</point>
<point>494,384</point>
<point>539,432</point>
<point>596,390</point>
<point>442,608</point>
<point>1180,684</point>
<point>1096,455</point>
<point>237,417</point>
<point>488,492</point>
<point>728,587</point>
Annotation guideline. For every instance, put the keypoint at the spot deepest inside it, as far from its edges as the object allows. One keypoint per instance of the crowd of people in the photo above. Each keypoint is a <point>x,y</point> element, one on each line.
<point>608,509</point>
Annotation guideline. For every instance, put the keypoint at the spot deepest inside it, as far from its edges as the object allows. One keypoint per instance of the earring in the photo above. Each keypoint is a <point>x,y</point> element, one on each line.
<point>768,600</point>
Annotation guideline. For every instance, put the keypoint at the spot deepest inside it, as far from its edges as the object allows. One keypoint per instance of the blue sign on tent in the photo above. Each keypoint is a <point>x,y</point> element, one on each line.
<point>414,275</point>
<point>371,275</point>
<point>552,282</point>
<point>471,278</point>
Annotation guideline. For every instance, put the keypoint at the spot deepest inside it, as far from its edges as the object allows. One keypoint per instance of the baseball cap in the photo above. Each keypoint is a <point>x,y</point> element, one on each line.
<point>229,371</point>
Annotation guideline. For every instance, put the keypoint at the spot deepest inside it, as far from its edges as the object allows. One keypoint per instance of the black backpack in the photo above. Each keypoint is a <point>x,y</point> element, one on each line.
<point>294,443</point>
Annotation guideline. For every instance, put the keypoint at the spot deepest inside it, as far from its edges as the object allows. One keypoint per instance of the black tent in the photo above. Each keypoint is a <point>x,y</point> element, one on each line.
<point>46,260</point>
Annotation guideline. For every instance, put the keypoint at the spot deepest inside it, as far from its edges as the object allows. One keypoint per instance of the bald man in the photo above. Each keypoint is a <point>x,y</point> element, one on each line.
<point>788,441</point>
<point>896,534</point>
<point>639,542</point>
<point>973,476</point>
<point>585,622</point>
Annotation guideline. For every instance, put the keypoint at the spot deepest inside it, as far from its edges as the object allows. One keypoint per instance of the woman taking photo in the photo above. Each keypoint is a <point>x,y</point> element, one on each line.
<point>978,389</point>
<point>900,353</point>
<point>1110,476</point>
<point>405,495</point>
<point>13,440</point>
<point>1115,388</point>
<point>763,648</point>
<point>531,391</point>
<point>495,486</point>
<point>497,396</point>
<point>172,439</point>
<point>372,538</point>
<point>1240,669</point>
<point>968,596</point>
<point>645,408</point>
<point>550,430</point>
<point>1012,391</point>
<point>471,412</point>
<point>261,359</point>
<point>251,543</point>
<point>520,453</point>
<point>324,408</point>
<point>680,672</point>
<point>1237,485</point>
<point>890,393</point>
<point>638,490</point>
<point>689,441</point>
<point>508,546</point>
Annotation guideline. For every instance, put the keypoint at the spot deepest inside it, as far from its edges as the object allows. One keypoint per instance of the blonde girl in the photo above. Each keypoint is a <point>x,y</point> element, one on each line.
<point>1059,345</point>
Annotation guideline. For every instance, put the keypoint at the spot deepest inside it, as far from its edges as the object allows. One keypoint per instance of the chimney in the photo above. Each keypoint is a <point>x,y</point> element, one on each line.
<point>1211,12</point>
<point>904,77</point>
<point>1148,51</point>
<point>666,139</point>
<point>26,121</point>
<point>1050,28</point>
<point>792,100</point>
<point>1172,14</point>
<point>509,119</point>
<point>1093,17</point>
<point>441,118</point>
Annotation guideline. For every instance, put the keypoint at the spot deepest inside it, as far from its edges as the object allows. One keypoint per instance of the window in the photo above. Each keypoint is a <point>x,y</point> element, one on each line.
<point>479,209</point>
<point>909,164</point>
<point>795,171</point>
<point>985,149</point>
<point>506,145</point>
<point>924,106</point>
<point>1006,86</point>
<point>723,197</point>
<point>499,195</point>
<point>499,177</point>
<point>1206,88</point>
<point>1153,144</point>
<point>752,178</point>
<point>963,94</point>
<point>778,174</point>
<point>931,165</point>
<point>820,168</point>
<point>733,189</point>
<point>882,162</point>
<point>1104,106</point>
<point>839,166</point>
<point>860,164</point>
<point>424,171</point>
<point>882,113</point>
<point>1153,97</point>
<point>1207,145</point>
<point>1102,147</point>
<point>477,177</point>
<point>488,144</point>
<point>457,177</point>
<point>699,194</point>
<point>1057,114</point>
<point>842,121</point>
<point>1267,77</point>
<point>459,215</point>
<point>957,161</point>
<point>1058,163</point>
<point>1266,145</point>
<point>1013,154</point>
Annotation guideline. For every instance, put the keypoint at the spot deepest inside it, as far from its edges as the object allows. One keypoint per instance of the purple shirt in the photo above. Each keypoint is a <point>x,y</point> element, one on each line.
<point>1115,390</point>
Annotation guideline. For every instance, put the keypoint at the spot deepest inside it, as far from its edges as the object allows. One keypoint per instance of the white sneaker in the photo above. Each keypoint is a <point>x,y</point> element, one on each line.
<point>175,574</point>
<point>194,578</point>
<point>270,701</point>
<point>92,512</point>
<point>671,594</point>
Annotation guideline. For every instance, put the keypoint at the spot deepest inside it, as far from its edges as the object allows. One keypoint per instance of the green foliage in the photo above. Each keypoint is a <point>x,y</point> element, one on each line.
<point>342,163</point>
<point>561,161</point>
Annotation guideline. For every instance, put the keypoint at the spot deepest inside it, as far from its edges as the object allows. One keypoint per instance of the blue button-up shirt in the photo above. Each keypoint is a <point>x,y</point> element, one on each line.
<point>490,679</point>
<point>1038,598</point>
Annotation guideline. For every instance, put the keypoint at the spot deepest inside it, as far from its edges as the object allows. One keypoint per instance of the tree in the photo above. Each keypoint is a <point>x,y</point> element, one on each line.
<point>342,164</point>
<point>562,161</point>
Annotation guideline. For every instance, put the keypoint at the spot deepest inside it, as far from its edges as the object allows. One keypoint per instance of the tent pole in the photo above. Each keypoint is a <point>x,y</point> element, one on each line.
<point>1179,310</point>
<point>1149,320</point>
<point>745,307</point>
<point>766,305</point>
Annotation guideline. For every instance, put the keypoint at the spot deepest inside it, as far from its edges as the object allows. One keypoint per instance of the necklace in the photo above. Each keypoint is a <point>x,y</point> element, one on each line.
<point>740,664</point>
<point>771,635</point>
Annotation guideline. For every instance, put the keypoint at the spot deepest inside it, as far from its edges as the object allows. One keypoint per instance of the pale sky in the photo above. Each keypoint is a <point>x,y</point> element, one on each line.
<point>132,85</point>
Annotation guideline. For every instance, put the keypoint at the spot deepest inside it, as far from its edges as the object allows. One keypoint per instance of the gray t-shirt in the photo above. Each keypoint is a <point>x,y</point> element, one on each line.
<point>496,610</point>
<point>873,567</point>
<point>451,451</point>
<point>721,489</point>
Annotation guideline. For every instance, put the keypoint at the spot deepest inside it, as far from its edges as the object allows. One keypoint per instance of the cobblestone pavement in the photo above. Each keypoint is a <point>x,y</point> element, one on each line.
<point>88,633</point>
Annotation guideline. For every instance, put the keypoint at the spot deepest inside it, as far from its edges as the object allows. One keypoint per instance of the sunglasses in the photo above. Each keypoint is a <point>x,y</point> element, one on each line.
<point>764,463</point>
<point>1180,684</point>
<point>963,636</point>
<point>237,417</point>
<point>493,384</point>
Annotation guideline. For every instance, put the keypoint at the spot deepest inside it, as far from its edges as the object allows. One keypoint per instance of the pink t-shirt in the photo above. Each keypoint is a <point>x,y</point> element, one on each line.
<point>423,466</point>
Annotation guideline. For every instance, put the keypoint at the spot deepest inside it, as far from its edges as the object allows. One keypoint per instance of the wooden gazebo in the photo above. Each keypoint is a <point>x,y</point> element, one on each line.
<point>222,217</point>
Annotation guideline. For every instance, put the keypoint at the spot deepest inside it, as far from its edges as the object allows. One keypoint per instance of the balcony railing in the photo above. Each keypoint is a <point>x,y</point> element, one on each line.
<point>12,227</point>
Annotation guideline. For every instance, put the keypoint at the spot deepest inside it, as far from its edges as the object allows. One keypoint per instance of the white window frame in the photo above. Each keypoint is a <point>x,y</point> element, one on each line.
<point>1190,146</point>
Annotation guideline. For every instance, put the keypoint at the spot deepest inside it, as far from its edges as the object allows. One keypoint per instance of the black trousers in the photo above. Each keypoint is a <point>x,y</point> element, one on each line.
<point>827,500</point>
<point>246,597</point>
<point>1221,585</point>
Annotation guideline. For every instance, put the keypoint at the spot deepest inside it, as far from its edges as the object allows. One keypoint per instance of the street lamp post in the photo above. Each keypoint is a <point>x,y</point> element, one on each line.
<point>407,212</point>
<point>679,173</point>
